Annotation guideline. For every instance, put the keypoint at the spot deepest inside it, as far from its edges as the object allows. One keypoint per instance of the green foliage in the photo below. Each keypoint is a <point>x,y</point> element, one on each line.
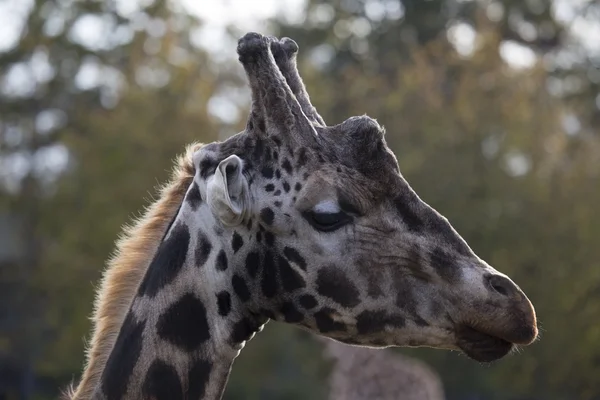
<point>482,143</point>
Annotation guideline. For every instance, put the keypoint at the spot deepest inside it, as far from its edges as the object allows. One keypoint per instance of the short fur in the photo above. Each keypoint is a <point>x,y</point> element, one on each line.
<point>126,268</point>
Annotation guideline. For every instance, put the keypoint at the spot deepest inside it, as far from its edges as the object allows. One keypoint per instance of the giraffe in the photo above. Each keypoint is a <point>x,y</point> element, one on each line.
<point>360,373</point>
<point>295,221</point>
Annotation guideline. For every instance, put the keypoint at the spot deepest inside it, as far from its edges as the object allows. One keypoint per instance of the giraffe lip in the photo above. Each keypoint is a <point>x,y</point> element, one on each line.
<point>481,346</point>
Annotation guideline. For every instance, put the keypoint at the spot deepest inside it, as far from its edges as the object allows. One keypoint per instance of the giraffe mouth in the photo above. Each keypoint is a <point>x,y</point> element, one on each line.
<point>481,346</point>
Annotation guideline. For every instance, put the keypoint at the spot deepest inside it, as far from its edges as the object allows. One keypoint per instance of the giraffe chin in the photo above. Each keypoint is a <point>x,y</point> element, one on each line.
<point>480,346</point>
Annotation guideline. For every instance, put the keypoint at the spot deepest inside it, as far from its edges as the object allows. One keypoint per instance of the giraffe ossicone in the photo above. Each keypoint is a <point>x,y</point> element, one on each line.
<point>295,221</point>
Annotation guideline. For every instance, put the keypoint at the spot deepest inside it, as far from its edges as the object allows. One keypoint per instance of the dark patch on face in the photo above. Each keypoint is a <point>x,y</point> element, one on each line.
<point>184,324</point>
<point>405,300</point>
<point>290,279</point>
<point>413,260</point>
<point>445,265</point>
<point>291,313</point>
<point>275,154</point>
<point>198,379</point>
<point>373,289</point>
<point>374,278</point>
<point>332,282</point>
<point>269,239</point>
<point>243,330</point>
<point>298,186</point>
<point>257,146</point>
<point>167,261</point>
<point>277,141</point>
<point>194,197</point>
<point>290,150</point>
<point>207,167</point>
<point>286,186</point>
<point>236,242</point>
<point>224,303</point>
<point>287,166</point>
<point>269,188</point>
<point>307,301</point>
<point>267,215</point>
<point>411,219</point>
<point>203,249</point>
<point>123,358</point>
<point>162,382</point>
<point>252,263</point>
<point>376,321</point>
<point>222,263</point>
<point>302,157</point>
<point>259,236</point>
<point>249,224</point>
<point>267,313</point>
<point>419,321</point>
<point>267,172</point>
<point>240,288</point>
<point>292,254</point>
<point>261,125</point>
<point>305,176</point>
<point>269,276</point>
<point>325,323</point>
<point>278,203</point>
<point>441,227</point>
<point>277,174</point>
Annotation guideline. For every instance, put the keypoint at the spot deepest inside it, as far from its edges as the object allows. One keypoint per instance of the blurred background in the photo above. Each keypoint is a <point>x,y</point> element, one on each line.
<point>492,107</point>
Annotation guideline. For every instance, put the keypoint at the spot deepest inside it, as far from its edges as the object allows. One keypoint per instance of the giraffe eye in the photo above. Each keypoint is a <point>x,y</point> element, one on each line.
<point>327,221</point>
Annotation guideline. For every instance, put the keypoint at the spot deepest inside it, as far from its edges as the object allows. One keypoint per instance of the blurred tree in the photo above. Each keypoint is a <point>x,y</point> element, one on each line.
<point>89,126</point>
<point>37,77</point>
<point>381,33</point>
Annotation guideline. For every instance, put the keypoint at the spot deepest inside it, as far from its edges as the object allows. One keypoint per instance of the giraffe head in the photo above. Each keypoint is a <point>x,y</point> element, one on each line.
<point>321,229</point>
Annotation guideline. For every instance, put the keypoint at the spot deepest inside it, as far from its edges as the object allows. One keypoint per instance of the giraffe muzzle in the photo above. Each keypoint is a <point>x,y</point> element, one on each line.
<point>502,321</point>
<point>515,314</point>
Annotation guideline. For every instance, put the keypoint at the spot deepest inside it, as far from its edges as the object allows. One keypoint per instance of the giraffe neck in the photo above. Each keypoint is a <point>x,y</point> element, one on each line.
<point>190,318</point>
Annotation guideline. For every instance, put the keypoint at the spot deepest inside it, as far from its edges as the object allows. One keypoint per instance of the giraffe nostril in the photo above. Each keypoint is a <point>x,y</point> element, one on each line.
<point>500,289</point>
<point>503,286</point>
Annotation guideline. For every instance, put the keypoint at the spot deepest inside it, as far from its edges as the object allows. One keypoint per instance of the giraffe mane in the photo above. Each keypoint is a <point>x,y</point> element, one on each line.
<point>126,268</point>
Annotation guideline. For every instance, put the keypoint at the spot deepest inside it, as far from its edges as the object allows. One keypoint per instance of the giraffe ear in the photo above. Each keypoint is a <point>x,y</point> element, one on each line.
<point>227,192</point>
